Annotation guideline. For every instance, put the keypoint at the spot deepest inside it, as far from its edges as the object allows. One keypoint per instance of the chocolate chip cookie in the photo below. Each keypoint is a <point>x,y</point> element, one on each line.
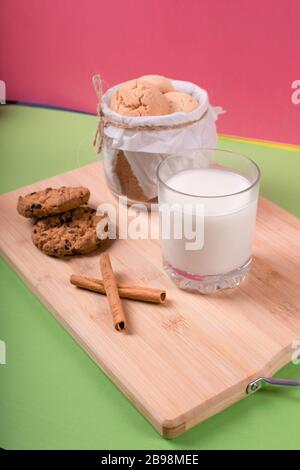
<point>71,233</point>
<point>52,201</point>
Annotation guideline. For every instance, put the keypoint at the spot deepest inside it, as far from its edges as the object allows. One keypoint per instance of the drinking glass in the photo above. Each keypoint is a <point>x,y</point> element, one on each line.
<point>208,203</point>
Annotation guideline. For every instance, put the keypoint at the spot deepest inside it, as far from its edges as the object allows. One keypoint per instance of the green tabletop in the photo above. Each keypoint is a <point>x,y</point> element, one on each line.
<point>52,396</point>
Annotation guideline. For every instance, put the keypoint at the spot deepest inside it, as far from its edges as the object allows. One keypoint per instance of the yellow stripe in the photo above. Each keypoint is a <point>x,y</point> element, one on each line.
<point>264,143</point>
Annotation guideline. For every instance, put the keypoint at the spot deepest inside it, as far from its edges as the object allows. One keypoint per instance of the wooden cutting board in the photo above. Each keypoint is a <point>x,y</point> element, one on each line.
<point>188,359</point>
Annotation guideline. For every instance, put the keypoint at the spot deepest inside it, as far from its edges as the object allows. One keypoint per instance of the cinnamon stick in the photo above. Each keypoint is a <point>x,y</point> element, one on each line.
<point>112,293</point>
<point>127,291</point>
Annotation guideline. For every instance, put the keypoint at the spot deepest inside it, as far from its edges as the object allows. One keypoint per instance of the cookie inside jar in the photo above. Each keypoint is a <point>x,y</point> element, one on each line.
<point>146,120</point>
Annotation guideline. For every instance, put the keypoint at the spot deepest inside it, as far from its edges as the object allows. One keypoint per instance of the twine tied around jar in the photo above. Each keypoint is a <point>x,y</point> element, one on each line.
<point>104,121</point>
<point>98,139</point>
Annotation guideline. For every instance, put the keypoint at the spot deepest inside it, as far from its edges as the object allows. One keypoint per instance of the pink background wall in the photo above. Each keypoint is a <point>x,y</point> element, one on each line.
<point>246,53</point>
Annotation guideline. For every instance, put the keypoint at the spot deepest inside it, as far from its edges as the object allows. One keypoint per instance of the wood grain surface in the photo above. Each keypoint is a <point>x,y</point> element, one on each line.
<point>191,357</point>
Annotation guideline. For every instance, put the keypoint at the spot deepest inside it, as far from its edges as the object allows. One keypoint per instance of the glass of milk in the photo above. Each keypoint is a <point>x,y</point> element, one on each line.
<point>207,203</point>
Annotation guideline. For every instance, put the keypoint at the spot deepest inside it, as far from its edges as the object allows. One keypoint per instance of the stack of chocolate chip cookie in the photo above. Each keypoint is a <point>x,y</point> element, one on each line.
<point>63,224</point>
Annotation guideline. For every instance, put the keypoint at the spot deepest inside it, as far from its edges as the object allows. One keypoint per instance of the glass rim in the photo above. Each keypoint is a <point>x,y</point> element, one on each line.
<point>244,157</point>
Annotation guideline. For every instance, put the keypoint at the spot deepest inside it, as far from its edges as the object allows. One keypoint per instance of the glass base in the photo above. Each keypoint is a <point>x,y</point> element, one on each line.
<point>207,284</point>
<point>144,205</point>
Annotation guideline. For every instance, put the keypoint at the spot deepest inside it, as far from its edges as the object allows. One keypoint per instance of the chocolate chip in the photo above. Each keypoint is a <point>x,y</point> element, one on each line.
<point>36,206</point>
<point>35,230</point>
<point>31,194</point>
<point>64,219</point>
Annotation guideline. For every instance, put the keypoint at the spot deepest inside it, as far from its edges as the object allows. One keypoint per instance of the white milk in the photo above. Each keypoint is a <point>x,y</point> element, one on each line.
<point>228,221</point>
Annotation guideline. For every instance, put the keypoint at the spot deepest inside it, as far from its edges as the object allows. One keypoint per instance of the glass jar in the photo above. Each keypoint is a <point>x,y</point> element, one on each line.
<point>133,147</point>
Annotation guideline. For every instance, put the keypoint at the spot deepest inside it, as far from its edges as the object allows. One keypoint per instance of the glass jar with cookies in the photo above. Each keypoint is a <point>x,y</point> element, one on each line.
<point>145,120</point>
